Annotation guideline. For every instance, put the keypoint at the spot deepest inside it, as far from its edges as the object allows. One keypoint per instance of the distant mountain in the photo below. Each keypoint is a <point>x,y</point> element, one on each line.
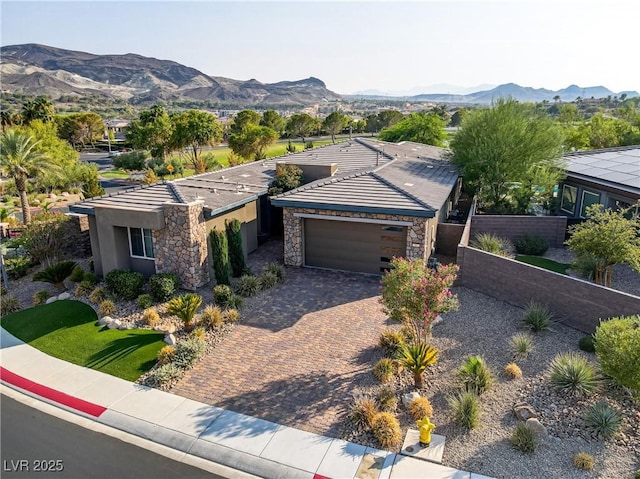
<point>440,88</point>
<point>520,93</point>
<point>44,70</point>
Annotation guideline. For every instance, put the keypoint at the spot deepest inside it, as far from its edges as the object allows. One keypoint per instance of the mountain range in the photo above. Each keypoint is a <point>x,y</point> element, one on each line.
<point>43,70</point>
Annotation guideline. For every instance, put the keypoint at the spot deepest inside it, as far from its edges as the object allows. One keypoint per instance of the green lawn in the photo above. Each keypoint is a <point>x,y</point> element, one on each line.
<point>68,330</point>
<point>114,173</point>
<point>544,263</point>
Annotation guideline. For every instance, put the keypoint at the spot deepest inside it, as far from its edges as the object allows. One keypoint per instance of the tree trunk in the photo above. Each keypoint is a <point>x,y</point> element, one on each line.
<point>21,186</point>
<point>417,379</point>
<point>333,138</point>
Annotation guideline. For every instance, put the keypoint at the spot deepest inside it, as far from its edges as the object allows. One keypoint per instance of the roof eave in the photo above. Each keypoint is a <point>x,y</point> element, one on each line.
<point>352,209</point>
<point>213,212</point>
<point>603,182</point>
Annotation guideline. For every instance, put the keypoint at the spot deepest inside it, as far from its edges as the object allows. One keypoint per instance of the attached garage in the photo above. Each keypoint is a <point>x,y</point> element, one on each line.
<point>361,247</point>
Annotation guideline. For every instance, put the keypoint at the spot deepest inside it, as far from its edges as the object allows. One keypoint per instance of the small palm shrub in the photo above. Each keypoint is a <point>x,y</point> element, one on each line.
<point>584,461</point>
<point>475,375</point>
<point>521,345</point>
<point>223,295</point>
<point>386,429</point>
<point>603,419</point>
<point>391,342</point>
<point>41,297</point>
<point>383,370</point>
<point>231,315</point>
<point>77,274</point>
<point>150,317</point>
<point>56,273</point>
<point>512,371</point>
<point>572,373</point>
<point>466,409</point>
<point>268,280</point>
<point>420,407</point>
<point>188,351</point>
<point>417,358</point>
<point>531,245</point>
<point>98,295</point>
<point>199,333</point>
<point>163,375</point>
<point>124,284</point>
<point>387,400</point>
<point>248,285</point>
<point>537,317</point>
<point>524,438</point>
<point>492,244</point>
<point>83,288</point>
<point>9,304</point>
<point>212,316</point>
<point>107,308</point>
<point>276,269</point>
<point>185,307</point>
<point>587,344</point>
<point>145,301</point>
<point>166,354</point>
<point>363,410</point>
<point>163,285</point>
<point>618,349</point>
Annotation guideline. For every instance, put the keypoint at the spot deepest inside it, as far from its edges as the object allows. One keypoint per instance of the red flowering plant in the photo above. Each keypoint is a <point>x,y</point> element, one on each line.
<point>416,294</point>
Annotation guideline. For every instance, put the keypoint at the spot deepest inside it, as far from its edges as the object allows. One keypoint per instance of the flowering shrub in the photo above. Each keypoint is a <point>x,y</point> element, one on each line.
<point>415,294</point>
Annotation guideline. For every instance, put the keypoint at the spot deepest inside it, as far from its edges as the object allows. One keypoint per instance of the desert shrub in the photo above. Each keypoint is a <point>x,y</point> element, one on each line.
<point>56,273</point>
<point>220,253</point>
<point>537,317</point>
<point>77,274</point>
<point>40,297</point>
<point>132,160</point>
<point>236,248</point>
<point>150,317</point>
<point>248,285</point>
<point>98,295</point>
<point>188,351</point>
<point>492,244</point>
<point>223,295</point>
<point>124,284</point>
<point>268,280</point>
<point>584,461</point>
<point>185,307</point>
<point>603,419</point>
<point>9,304</point>
<point>83,288</point>
<point>386,429</point>
<point>145,301</point>
<point>45,237</point>
<point>90,278</point>
<point>212,316</point>
<point>386,399</point>
<point>587,344</point>
<point>163,285</point>
<point>466,409</point>
<point>416,358</point>
<point>524,438</point>
<point>165,355</point>
<point>532,245</point>
<point>383,370</point>
<point>521,345</point>
<point>391,342</point>
<point>585,266</point>
<point>17,267</point>
<point>618,349</point>
<point>363,410</point>
<point>512,371</point>
<point>231,315</point>
<point>164,374</point>
<point>420,407</point>
<point>107,307</point>
<point>276,269</point>
<point>199,333</point>
<point>475,375</point>
<point>572,373</point>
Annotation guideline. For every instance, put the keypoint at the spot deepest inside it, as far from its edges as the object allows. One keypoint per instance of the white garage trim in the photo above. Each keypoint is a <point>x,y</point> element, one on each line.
<point>352,220</point>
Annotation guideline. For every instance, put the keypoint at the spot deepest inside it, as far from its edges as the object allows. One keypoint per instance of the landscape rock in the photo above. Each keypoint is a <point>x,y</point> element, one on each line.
<point>65,194</point>
<point>538,429</point>
<point>115,324</point>
<point>103,321</point>
<point>407,398</point>
<point>64,295</point>
<point>524,411</point>
<point>170,339</point>
<point>51,299</point>
<point>124,326</point>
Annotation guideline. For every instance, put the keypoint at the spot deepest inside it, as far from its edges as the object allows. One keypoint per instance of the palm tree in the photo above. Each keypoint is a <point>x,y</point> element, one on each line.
<point>19,159</point>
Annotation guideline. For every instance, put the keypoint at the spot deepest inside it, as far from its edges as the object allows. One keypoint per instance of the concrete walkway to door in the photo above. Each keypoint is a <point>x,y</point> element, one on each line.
<point>297,352</point>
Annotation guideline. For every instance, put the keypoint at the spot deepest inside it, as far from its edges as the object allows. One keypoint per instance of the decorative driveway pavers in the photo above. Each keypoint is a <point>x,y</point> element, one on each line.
<point>297,352</point>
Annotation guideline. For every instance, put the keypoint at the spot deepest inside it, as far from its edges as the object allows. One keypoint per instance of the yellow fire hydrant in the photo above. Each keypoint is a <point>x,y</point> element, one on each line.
<point>426,426</point>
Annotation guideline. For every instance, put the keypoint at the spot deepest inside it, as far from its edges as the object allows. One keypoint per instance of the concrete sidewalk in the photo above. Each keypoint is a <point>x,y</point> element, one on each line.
<point>241,442</point>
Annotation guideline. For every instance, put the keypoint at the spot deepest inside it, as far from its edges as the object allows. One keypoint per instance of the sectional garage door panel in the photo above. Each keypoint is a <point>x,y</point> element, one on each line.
<point>351,246</point>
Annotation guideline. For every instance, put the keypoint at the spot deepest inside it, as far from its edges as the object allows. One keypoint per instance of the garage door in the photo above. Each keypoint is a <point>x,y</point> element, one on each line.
<point>349,246</point>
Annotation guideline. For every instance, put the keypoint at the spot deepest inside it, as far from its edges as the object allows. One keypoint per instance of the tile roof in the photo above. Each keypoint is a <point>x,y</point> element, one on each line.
<point>617,167</point>
<point>142,198</point>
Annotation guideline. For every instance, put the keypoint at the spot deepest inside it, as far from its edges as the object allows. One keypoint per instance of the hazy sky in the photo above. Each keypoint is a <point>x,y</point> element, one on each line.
<point>357,45</point>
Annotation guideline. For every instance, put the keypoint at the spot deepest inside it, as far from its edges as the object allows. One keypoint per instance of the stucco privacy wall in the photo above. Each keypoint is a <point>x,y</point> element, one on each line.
<point>417,233</point>
<point>513,227</point>
<point>181,246</point>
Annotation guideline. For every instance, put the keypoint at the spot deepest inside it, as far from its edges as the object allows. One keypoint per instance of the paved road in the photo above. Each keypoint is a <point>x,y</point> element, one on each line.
<point>31,436</point>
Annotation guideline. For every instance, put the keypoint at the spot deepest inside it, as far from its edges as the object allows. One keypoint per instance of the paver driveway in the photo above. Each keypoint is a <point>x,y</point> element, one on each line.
<point>297,352</point>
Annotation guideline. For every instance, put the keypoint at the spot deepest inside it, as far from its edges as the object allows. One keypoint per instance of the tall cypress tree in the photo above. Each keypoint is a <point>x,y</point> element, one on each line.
<point>220,250</point>
<point>236,250</point>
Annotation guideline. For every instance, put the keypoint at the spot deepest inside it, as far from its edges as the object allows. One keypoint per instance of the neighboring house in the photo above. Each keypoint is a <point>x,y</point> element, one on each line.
<point>610,177</point>
<point>366,202</point>
<point>118,127</point>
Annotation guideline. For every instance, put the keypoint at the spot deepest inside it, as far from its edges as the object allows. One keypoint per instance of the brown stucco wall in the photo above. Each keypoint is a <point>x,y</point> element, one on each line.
<point>448,237</point>
<point>248,216</point>
<point>551,228</point>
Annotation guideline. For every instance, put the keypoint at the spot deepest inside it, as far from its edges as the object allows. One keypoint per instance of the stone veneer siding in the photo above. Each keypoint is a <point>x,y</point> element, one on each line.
<point>417,239</point>
<point>181,246</point>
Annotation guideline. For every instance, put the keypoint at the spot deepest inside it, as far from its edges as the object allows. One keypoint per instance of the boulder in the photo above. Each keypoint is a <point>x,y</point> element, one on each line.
<point>538,429</point>
<point>524,411</point>
<point>170,339</point>
<point>105,320</point>
<point>115,324</point>
<point>407,398</point>
<point>51,299</point>
<point>124,326</point>
<point>64,295</point>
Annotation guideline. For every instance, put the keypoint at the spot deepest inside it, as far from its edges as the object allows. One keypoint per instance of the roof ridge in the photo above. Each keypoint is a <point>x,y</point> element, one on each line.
<point>323,182</point>
<point>176,192</point>
<point>364,142</point>
<point>401,190</point>
<point>602,150</point>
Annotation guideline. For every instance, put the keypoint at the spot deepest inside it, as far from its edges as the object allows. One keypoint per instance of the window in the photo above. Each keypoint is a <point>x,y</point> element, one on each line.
<point>568,203</point>
<point>141,243</point>
<point>588,199</point>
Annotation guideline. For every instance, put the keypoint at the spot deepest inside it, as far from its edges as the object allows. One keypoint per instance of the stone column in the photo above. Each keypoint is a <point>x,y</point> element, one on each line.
<point>292,238</point>
<point>181,246</point>
<point>417,239</point>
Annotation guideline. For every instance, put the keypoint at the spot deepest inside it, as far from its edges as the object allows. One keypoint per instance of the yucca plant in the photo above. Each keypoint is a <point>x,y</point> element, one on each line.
<point>248,285</point>
<point>56,273</point>
<point>475,375</point>
<point>537,317</point>
<point>492,244</point>
<point>276,269</point>
<point>521,345</point>
<point>524,438</point>
<point>573,374</point>
<point>185,307</point>
<point>603,419</point>
<point>416,358</point>
<point>390,342</point>
<point>466,409</point>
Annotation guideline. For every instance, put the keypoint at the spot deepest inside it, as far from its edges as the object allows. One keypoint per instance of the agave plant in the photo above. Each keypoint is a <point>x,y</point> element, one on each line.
<point>416,358</point>
<point>56,273</point>
<point>475,375</point>
<point>185,306</point>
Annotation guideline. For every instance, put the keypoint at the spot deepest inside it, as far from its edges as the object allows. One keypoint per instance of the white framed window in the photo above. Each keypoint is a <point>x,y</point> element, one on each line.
<point>588,198</point>
<point>141,243</point>
<point>568,201</point>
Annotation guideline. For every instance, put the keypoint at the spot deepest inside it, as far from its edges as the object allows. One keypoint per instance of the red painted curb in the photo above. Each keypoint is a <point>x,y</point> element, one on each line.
<point>318,476</point>
<point>52,394</point>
